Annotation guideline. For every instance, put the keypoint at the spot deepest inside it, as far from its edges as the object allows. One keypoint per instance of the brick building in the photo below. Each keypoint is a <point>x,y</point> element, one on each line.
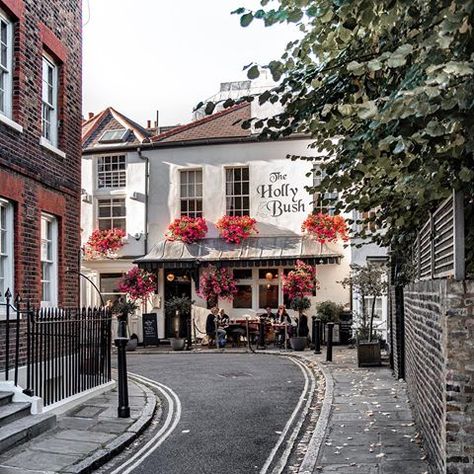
<point>40,149</point>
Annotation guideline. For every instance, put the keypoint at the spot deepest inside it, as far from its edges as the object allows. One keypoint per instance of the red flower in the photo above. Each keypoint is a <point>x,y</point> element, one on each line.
<point>104,243</point>
<point>187,229</point>
<point>138,284</point>
<point>234,229</point>
<point>217,283</point>
<point>300,282</point>
<point>325,228</point>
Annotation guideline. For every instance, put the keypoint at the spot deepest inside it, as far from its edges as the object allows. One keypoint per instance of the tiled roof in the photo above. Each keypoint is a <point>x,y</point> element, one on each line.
<point>110,119</point>
<point>224,124</point>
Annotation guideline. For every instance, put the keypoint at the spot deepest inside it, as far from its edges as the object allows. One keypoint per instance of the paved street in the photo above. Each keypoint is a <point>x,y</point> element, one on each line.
<point>234,408</point>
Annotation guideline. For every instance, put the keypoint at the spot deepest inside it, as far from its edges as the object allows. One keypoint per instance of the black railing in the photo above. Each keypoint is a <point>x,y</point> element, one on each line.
<point>55,353</point>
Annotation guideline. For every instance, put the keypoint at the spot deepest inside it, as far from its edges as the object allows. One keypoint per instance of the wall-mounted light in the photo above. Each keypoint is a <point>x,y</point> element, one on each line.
<point>269,276</point>
<point>170,277</point>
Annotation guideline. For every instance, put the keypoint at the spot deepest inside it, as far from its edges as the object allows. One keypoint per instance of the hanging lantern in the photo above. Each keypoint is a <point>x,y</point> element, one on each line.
<point>269,276</point>
<point>170,277</point>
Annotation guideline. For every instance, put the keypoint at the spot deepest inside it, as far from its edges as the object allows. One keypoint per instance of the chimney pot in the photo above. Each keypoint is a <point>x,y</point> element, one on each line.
<point>91,114</point>
<point>148,124</point>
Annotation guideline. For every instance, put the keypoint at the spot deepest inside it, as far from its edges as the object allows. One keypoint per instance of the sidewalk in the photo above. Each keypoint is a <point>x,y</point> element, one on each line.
<point>84,437</point>
<point>370,428</point>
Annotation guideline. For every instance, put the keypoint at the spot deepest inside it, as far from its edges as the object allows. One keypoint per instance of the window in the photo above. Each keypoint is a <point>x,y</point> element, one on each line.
<point>6,248</point>
<point>112,214</point>
<point>109,286</point>
<point>268,296</point>
<point>237,191</point>
<point>323,202</point>
<point>6,65</point>
<point>50,101</point>
<point>113,136</point>
<point>111,171</point>
<point>191,193</point>
<point>243,297</point>
<point>368,300</point>
<point>242,273</point>
<point>49,260</point>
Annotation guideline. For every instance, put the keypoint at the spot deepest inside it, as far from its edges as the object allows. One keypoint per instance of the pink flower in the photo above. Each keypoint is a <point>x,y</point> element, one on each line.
<point>234,229</point>
<point>325,228</point>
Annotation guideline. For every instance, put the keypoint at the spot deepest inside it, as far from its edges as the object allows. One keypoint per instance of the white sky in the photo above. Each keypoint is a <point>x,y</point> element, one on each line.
<point>143,55</point>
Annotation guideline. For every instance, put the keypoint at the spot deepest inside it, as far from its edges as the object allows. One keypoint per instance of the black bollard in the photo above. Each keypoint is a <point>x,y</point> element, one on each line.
<point>121,344</point>
<point>189,343</point>
<point>329,342</point>
<point>317,336</point>
<point>261,334</point>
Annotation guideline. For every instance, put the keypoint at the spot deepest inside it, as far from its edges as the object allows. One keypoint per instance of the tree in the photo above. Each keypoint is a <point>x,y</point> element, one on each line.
<point>386,89</point>
<point>367,281</point>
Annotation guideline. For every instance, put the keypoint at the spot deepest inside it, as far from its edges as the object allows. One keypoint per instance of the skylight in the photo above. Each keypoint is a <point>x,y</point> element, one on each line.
<point>113,136</point>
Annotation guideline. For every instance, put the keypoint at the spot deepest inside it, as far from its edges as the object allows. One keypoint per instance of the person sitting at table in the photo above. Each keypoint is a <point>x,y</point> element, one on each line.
<point>223,318</point>
<point>268,315</point>
<point>211,331</point>
<point>282,317</point>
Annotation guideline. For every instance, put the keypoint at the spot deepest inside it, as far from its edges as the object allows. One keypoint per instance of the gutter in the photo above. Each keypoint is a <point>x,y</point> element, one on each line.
<point>147,186</point>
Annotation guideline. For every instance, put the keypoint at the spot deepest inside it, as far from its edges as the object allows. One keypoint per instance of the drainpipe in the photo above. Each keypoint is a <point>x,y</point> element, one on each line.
<point>147,181</point>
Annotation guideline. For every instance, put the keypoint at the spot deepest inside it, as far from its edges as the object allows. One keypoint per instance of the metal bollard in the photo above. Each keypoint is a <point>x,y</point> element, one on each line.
<point>121,344</point>
<point>317,336</point>
<point>329,342</point>
<point>189,342</point>
<point>261,334</point>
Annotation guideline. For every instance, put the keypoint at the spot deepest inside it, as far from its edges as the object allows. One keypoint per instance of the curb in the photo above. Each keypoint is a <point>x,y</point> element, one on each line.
<point>100,457</point>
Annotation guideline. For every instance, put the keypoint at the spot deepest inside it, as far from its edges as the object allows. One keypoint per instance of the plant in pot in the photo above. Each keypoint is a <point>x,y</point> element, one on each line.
<point>298,284</point>
<point>179,308</point>
<point>329,312</point>
<point>368,282</point>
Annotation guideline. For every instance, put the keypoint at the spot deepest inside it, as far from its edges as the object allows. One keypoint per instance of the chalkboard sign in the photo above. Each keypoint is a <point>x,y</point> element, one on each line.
<point>150,329</point>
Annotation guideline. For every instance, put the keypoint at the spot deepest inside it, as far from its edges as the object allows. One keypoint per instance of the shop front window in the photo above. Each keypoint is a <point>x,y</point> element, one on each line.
<point>268,296</point>
<point>243,297</point>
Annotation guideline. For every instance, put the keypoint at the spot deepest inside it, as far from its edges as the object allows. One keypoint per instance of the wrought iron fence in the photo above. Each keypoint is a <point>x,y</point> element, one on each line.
<point>55,353</point>
<point>439,249</point>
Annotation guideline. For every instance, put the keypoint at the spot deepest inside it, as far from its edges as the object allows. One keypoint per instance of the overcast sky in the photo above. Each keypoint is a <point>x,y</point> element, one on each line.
<point>144,55</point>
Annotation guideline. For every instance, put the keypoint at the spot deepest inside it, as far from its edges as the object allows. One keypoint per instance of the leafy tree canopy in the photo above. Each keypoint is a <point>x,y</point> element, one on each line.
<point>386,88</point>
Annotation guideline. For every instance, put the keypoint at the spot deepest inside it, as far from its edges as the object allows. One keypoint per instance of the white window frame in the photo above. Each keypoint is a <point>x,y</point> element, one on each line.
<point>51,261</point>
<point>7,238</point>
<point>49,104</point>
<point>191,192</point>
<point>318,198</point>
<point>230,207</point>
<point>116,139</point>
<point>7,69</point>
<point>110,202</point>
<point>116,178</point>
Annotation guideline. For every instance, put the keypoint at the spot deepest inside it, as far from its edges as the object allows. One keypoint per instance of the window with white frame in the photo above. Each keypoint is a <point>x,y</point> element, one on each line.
<point>114,136</point>
<point>6,247</point>
<point>111,171</point>
<point>243,298</point>
<point>50,101</point>
<point>368,301</point>
<point>323,202</point>
<point>49,260</point>
<point>112,213</point>
<point>109,283</point>
<point>6,64</point>
<point>237,191</point>
<point>191,192</point>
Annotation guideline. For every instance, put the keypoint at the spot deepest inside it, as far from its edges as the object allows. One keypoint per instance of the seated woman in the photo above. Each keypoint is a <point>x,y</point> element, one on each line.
<point>282,317</point>
<point>212,328</point>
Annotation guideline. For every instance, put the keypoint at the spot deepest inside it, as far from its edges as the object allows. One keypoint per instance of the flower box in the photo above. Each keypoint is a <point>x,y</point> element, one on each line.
<point>234,229</point>
<point>325,228</point>
<point>187,229</point>
<point>104,243</point>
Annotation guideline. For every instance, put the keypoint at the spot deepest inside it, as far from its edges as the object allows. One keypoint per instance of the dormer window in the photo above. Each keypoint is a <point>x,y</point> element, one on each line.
<point>114,136</point>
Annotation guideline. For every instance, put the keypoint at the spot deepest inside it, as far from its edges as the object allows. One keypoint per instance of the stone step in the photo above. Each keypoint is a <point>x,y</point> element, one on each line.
<point>24,429</point>
<point>12,412</point>
<point>5,398</point>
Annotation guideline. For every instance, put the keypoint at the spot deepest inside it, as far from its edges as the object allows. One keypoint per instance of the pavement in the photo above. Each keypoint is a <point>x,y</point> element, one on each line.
<point>84,437</point>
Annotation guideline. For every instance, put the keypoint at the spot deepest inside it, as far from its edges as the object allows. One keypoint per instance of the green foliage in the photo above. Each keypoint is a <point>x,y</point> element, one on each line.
<point>300,304</point>
<point>328,311</point>
<point>386,89</point>
<point>124,307</point>
<point>181,304</point>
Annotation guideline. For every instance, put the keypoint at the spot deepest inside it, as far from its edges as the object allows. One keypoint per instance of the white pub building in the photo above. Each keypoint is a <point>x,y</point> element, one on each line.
<point>141,179</point>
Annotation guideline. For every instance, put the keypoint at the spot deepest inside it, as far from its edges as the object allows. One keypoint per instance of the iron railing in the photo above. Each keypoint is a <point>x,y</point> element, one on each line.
<point>55,353</point>
<point>439,248</point>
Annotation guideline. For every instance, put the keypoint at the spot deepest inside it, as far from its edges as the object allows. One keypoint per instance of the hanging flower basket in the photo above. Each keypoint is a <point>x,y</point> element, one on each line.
<point>138,284</point>
<point>325,228</point>
<point>217,283</point>
<point>299,282</point>
<point>187,229</point>
<point>234,229</point>
<point>104,243</point>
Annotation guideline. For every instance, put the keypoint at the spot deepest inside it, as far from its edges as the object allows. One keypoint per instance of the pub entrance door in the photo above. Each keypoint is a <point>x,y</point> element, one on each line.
<point>177,283</point>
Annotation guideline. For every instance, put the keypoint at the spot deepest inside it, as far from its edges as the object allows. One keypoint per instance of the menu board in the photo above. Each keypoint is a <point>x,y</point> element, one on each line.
<point>150,329</point>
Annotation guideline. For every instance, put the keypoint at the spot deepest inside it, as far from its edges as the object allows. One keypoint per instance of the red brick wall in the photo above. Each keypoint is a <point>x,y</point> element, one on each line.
<point>35,179</point>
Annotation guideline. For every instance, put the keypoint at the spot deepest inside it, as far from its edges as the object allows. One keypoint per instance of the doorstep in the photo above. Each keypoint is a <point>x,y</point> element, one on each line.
<point>85,437</point>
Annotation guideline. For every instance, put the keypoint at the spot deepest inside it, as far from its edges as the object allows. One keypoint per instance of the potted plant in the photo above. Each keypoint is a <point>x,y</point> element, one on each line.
<point>178,308</point>
<point>298,285</point>
<point>367,281</point>
<point>329,312</point>
<point>234,229</point>
<point>187,229</point>
<point>300,341</point>
<point>122,309</point>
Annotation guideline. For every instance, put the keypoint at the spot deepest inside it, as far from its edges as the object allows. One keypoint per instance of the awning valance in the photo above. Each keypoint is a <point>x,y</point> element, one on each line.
<point>254,251</point>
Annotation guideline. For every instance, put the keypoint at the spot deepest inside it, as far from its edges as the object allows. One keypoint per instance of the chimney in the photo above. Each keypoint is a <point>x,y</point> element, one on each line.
<point>91,115</point>
<point>148,124</point>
